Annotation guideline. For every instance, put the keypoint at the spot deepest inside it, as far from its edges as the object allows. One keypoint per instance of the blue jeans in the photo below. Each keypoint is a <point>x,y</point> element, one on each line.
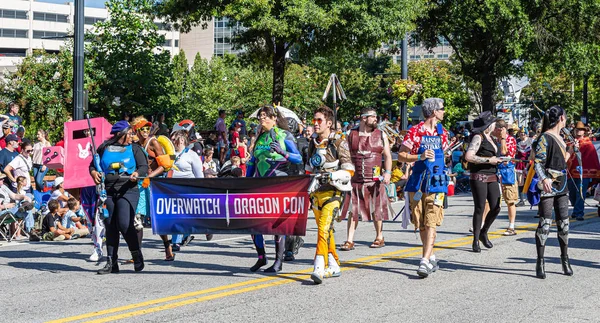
<point>178,239</point>
<point>38,175</point>
<point>576,197</point>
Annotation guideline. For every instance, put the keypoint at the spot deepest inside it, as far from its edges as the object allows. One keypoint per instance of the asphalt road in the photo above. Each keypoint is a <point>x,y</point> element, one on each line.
<point>210,281</point>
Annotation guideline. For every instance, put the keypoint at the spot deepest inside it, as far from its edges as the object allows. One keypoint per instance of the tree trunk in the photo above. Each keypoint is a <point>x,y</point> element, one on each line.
<point>489,87</point>
<point>278,71</point>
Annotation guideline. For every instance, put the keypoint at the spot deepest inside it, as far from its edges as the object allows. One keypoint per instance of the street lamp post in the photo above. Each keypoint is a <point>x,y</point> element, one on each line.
<point>78,57</point>
<point>404,76</point>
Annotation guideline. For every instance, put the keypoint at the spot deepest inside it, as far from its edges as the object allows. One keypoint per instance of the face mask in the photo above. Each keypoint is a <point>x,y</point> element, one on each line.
<point>16,145</point>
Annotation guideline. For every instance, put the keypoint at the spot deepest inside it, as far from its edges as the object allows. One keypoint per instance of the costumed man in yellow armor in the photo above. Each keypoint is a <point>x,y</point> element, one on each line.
<point>330,160</point>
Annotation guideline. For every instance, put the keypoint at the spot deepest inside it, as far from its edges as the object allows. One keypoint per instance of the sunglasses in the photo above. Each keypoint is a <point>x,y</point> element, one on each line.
<point>318,120</point>
<point>29,150</point>
<point>145,129</point>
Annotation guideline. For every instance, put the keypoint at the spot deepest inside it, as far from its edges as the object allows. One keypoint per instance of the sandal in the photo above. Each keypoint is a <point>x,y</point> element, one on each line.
<point>170,258</point>
<point>378,243</point>
<point>347,246</point>
<point>510,232</point>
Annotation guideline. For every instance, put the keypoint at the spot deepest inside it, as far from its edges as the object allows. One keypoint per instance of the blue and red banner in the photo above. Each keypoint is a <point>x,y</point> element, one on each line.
<point>267,205</point>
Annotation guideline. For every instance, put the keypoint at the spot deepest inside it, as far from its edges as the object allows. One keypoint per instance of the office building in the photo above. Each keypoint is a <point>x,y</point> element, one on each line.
<point>26,25</point>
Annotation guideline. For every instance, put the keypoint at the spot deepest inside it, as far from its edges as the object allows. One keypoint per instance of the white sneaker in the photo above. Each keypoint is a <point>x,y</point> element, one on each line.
<point>317,276</point>
<point>332,272</point>
<point>94,257</point>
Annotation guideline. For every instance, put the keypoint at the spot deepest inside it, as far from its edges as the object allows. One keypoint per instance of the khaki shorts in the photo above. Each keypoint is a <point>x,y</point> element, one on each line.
<point>510,194</point>
<point>425,213</point>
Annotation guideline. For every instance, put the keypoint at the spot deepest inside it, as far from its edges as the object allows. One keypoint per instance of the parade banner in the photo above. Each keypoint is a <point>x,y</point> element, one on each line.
<point>257,205</point>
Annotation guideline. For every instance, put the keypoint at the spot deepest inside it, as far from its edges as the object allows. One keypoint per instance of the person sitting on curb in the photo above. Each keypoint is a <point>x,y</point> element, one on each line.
<point>52,229</point>
<point>74,218</point>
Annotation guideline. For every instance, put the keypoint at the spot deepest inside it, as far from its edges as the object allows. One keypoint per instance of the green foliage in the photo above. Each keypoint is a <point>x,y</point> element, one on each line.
<point>127,48</point>
<point>440,79</point>
<point>272,28</point>
<point>42,86</point>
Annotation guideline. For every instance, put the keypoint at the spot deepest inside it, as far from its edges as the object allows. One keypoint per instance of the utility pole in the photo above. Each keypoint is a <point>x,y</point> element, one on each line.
<point>404,76</point>
<point>78,57</point>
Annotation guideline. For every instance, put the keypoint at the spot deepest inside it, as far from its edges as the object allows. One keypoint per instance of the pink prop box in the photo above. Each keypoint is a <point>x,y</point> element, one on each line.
<point>78,150</point>
<point>54,157</point>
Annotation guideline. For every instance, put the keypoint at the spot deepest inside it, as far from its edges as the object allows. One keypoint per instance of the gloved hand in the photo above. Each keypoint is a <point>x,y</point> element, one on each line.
<point>276,147</point>
<point>146,182</point>
<point>341,175</point>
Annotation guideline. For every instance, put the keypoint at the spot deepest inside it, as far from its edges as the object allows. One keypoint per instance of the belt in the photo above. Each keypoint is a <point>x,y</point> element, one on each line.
<point>484,178</point>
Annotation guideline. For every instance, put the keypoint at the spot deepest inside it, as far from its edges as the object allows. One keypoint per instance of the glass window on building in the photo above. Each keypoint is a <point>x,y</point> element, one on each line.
<point>20,33</point>
<point>39,16</point>
<point>92,20</point>
<point>415,57</point>
<point>13,14</point>
<point>167,43</point>
<point>40,34</point>
<point>13,33</point>
<point>176,42</point>
<point>442,56</point>
<point>442,41</point>
<point>46,16</point>
<point>428,56</point>
<point>8,33</point>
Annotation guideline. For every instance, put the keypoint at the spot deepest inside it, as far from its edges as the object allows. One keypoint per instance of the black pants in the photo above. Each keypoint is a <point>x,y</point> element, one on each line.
<point>122,213</point>
<point>482,192</point>
<point>560,204</point>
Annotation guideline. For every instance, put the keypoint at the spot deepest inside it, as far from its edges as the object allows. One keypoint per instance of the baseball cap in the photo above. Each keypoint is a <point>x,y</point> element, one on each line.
<point>12,137</point>
<point>58,181</point>
<point>5,125</point>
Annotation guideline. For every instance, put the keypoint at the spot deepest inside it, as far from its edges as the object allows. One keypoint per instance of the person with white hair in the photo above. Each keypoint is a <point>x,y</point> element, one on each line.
<point>424,145</point>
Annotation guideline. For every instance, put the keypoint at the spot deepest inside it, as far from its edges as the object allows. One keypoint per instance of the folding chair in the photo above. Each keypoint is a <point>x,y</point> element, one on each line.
<point>6,220</point>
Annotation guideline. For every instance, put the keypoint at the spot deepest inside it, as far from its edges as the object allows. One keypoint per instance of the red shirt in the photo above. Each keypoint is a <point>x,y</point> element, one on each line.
<point>511,146</point>
<point>412,140</point>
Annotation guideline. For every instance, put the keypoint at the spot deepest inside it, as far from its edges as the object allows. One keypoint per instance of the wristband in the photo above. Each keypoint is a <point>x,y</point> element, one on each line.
<point>419,157</point>
<point>387,172</point>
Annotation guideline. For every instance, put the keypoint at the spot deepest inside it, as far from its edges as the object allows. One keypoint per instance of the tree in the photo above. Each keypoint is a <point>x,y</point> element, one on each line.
<point>491,39</point>
<point>440,79</point>
<point>127,48</point>
<point>272,28</point>
<point>43,86</point>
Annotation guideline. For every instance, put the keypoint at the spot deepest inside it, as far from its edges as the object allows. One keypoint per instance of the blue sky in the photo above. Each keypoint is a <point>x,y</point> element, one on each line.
<point>88,3</point>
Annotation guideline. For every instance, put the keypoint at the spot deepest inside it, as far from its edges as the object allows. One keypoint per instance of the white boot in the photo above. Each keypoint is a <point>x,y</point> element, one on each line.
<point>333,270</point>
<point>95,256</point>
<point>319,270</point>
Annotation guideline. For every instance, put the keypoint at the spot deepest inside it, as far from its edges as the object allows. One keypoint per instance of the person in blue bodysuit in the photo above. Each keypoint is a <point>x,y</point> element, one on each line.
<point>122,163</point>
<point>274,150</point>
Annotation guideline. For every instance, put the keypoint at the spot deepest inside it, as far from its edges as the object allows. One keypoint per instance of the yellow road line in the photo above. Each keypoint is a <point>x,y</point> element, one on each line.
<point>261,283</point>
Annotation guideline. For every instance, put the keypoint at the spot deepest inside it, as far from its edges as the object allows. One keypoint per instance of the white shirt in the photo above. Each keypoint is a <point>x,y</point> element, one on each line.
<point>189,165</point>
<point>56,194</point>
<point>21,166</point>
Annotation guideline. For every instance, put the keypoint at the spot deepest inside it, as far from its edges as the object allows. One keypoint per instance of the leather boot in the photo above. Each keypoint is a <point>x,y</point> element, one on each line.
<point>279,249</point>
<point>476,247</point>
<point>483,237</point>
<point>262,259</point>
<point>111,267</point>
<point>566,265</point>
<point>540,270</point>
<point>138,260</point>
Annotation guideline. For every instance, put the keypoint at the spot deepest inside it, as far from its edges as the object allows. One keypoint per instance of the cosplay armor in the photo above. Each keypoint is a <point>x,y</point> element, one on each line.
<point>273,151</point>
<point>330,160</point>
<point>118,160</point>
